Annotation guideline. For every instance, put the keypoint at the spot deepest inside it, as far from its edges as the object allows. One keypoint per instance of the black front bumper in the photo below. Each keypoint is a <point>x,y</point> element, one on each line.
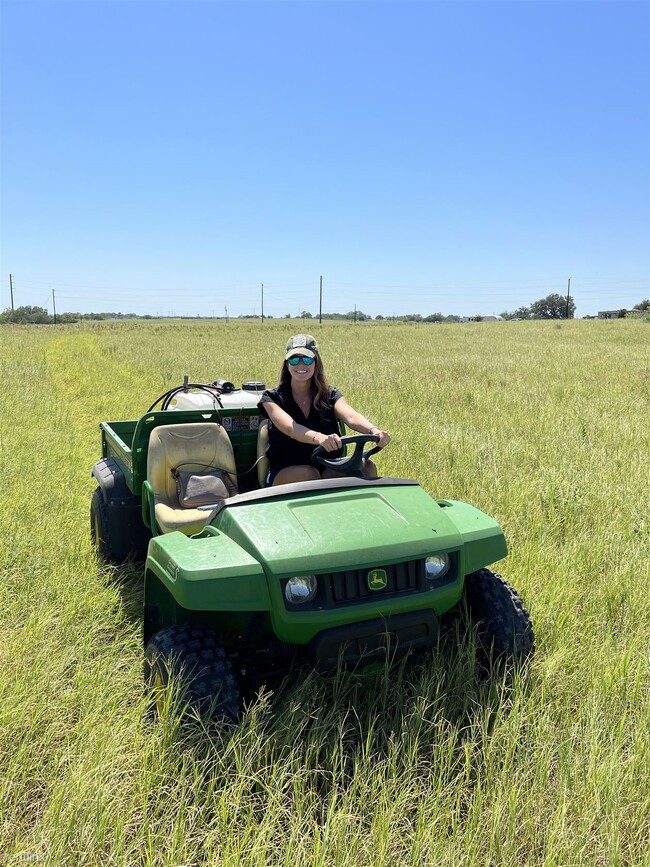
<point>373,640</point>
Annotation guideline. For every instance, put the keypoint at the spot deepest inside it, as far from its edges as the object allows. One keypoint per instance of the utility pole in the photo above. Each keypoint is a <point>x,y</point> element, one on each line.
<point>54,306</point>
<point>11,290</point>
<point>262,303</point>
<point>567,298</point>
<point>320,303</point>
<point>226,309</point>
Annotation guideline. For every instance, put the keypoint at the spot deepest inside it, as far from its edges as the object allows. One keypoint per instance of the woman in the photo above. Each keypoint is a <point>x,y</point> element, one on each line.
<point>303,412</point>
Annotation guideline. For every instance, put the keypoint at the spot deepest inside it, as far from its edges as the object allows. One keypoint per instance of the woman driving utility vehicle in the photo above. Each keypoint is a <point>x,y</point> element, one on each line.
<point>303,412</point>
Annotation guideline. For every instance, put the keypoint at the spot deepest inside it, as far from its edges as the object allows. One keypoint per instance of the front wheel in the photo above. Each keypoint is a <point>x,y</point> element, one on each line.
<point>193,657</point>
<point>503,624</point>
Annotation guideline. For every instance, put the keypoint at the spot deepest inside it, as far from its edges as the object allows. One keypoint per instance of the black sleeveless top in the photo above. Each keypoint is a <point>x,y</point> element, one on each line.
<point>284,451</point>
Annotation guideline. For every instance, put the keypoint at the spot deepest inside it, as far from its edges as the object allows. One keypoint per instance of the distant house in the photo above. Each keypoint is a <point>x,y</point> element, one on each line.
<point>611,314</point>
<point>481,318</point>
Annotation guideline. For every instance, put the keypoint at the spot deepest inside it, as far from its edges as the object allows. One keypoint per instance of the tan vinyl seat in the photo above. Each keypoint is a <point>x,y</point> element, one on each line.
<point>195,447</point>
<point>262,460</point>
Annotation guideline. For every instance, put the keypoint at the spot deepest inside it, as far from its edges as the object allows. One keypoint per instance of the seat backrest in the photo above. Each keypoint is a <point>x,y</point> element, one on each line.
<point>194,447</point>
<point>262,460</point>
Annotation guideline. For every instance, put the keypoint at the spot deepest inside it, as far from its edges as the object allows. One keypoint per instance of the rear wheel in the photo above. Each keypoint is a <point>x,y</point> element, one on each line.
<point>192,656</point>
<point>503,624</point>
<point>116,531</point>
<point>100,528</point>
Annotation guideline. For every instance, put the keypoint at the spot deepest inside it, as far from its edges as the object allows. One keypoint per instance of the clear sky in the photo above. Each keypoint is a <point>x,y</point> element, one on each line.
<point>456,157</point>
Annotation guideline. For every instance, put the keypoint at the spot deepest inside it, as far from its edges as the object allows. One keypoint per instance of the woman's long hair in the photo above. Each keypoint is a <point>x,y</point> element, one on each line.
<point>319,384</point>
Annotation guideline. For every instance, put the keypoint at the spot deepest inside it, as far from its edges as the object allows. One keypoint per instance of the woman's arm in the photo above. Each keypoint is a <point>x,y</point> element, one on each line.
<point>299,432</point>
<point>358,422</point>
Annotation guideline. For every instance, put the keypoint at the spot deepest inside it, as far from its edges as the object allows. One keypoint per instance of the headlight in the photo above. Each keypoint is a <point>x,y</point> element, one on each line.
<point>435,567</point>
<point>300,589</point>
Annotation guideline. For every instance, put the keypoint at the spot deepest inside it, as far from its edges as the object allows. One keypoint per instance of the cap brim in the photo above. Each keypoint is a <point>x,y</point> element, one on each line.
<point>300,350</point>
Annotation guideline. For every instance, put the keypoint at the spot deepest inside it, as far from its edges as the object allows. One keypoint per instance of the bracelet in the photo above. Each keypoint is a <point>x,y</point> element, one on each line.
<point>313,439</point>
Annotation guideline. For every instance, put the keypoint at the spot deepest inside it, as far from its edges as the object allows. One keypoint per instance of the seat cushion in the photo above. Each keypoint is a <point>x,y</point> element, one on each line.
<point>170,517</point>
<point>192,447</point>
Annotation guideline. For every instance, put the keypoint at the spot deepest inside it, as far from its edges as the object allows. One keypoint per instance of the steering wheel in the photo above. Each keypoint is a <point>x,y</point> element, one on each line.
<point>349,465</point>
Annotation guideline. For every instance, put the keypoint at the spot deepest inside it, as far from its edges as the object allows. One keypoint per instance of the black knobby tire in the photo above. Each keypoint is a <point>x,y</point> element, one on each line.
<point>192,655</point>
<point>113,532</point>
<point>100,531</point>
<point>503,624</point>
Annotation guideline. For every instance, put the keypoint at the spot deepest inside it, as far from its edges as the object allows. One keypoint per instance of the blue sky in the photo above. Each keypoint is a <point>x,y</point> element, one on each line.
<point>461,157</point>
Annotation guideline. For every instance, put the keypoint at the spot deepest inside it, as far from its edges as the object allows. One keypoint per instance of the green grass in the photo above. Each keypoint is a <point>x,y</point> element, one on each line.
<point>543,425</point>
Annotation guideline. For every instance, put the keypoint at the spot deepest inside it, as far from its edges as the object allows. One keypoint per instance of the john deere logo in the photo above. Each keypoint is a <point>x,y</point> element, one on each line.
<point>377,579</point>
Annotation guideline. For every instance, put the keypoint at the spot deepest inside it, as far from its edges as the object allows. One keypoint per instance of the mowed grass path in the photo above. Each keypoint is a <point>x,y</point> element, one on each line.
<point>543,425</point>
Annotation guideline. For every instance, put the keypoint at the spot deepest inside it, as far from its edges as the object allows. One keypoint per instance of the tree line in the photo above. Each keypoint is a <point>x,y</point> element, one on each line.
<point>554,306</point>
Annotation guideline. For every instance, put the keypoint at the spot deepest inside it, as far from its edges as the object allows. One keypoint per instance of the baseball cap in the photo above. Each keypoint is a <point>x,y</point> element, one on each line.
<point>302,344</point>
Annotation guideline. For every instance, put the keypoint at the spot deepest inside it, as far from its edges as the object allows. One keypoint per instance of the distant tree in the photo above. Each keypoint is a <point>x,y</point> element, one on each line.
<point>434,317</point>
<point>379,317</point>
<point>306,315</point>
<point>554,306</point>
<point>519,313</point>
<point>27,316</point>
<point>622,313</point>
<point>642,305</point>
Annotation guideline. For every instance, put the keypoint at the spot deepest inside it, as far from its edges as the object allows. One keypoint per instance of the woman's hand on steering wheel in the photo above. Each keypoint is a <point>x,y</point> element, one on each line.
<point>329,442</point>
<point>384,438</point>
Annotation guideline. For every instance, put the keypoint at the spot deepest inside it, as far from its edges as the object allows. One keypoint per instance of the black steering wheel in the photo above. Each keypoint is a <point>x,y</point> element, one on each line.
<point>349,465</point>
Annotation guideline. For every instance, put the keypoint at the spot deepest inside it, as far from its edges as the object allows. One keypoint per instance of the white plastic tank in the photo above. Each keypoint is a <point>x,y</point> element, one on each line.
<point>248,396</point>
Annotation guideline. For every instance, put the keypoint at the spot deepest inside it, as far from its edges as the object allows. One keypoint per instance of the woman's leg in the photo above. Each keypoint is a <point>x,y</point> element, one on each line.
<point>369,471</point>
<point>297,473</point>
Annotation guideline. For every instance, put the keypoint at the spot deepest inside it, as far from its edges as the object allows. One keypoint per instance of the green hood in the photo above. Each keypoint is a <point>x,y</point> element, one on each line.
<point>334,530</point>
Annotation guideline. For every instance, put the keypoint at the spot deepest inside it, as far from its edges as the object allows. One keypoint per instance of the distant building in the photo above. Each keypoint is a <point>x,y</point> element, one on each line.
<point>481,318</point>
<point>611,314</point>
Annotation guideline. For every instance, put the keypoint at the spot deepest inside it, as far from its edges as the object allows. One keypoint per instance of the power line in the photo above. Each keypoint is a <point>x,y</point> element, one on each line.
<point>413,297</point>
<point>294,288</point>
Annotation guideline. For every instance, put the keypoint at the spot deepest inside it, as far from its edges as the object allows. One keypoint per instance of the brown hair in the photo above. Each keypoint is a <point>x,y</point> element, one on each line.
<point>319,384</point>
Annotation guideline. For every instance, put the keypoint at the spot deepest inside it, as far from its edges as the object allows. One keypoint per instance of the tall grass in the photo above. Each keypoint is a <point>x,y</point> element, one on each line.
<point>543,425</point>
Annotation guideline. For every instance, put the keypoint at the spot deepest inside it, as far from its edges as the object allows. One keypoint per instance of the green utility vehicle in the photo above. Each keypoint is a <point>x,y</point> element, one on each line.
<point>340,571</point>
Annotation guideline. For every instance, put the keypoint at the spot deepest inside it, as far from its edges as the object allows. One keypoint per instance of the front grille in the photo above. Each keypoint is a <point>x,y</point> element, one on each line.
<point>343,588</point>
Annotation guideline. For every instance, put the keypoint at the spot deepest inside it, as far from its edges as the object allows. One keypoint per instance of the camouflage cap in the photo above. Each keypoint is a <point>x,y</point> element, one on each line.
<point>301,344</point>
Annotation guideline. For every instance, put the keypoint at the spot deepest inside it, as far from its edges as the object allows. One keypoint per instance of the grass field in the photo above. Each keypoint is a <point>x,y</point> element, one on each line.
<point>545,426</point>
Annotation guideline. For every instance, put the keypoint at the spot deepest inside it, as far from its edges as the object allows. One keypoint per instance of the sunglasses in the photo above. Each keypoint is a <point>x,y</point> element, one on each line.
<point>295,360</point>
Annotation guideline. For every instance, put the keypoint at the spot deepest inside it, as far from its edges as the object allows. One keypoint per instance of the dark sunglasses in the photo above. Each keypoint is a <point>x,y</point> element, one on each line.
<point>295,360</point>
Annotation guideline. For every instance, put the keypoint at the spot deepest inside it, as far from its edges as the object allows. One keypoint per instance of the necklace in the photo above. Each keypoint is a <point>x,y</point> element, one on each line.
<point>303,401</point>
